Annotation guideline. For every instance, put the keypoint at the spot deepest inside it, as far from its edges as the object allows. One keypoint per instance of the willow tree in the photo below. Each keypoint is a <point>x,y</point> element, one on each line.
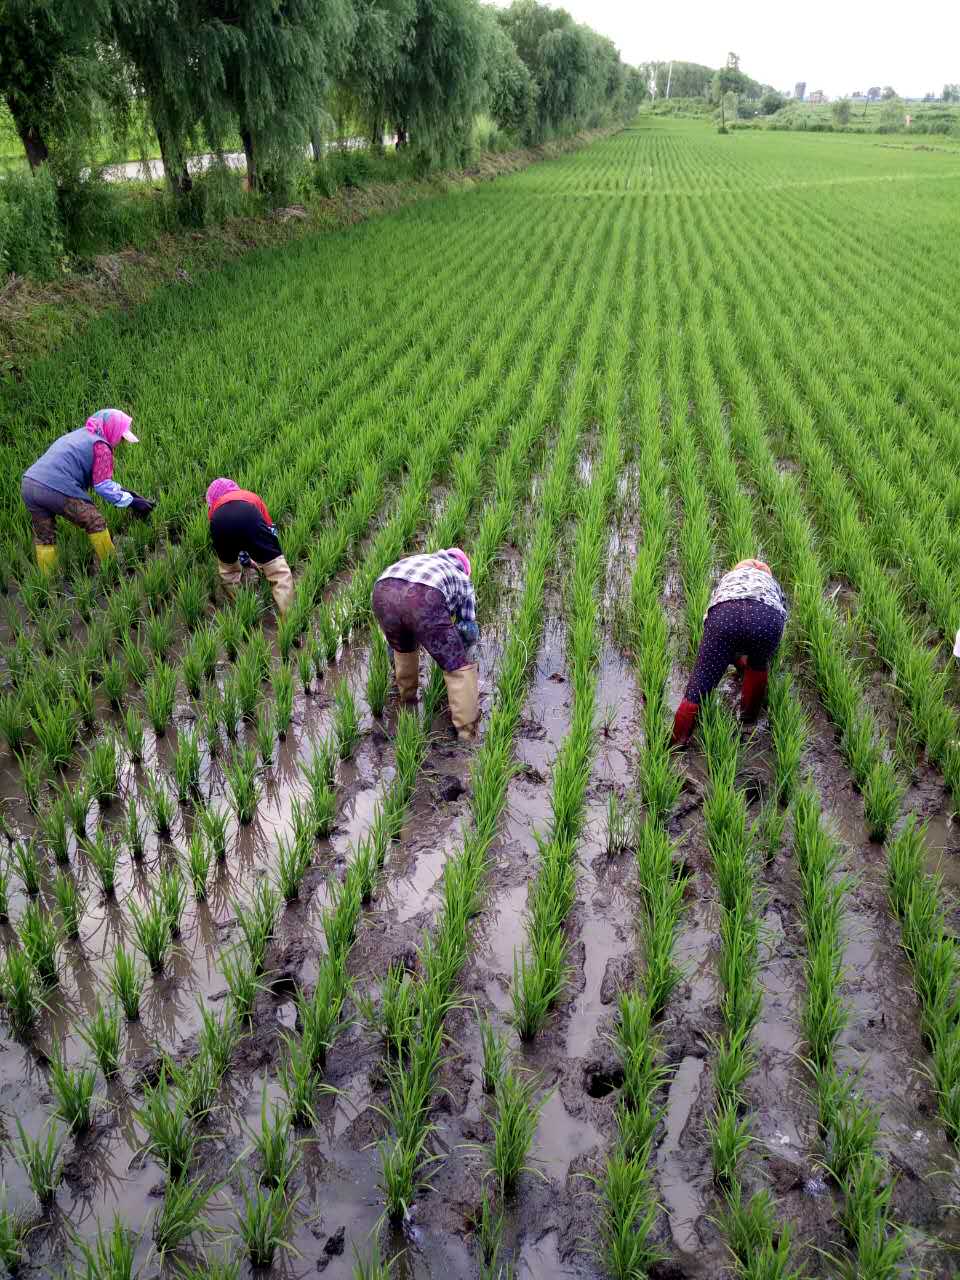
<point>382,33</point>
<point>278,73</point>
<point>438,85</point>
<point>49,73</point>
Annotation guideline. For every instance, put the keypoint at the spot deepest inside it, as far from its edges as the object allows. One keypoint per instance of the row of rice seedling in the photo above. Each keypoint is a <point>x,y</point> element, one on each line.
<point>627,1191</point>
<point>419,1008</point>
<point>758,1242</point>
<point>848,1124</point>
<point>404,1155</point>
<point>541,969</point>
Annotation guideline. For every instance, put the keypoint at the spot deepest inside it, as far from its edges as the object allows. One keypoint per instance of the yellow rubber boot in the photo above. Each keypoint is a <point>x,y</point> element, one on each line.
<point>231,575</point>
<point>46,557</point>
<point>463,694</point>
<point>406,668</point>
<point>277,573</point>
<point>102,544</point>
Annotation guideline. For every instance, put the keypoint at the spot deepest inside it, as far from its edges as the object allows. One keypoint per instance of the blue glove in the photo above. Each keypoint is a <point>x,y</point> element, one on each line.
<point>244,558</point>
<point>469,633</point>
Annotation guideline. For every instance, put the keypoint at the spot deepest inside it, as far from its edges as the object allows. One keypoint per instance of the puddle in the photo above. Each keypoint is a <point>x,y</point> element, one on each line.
<point>560,1138</point>
<point>680,1197</point>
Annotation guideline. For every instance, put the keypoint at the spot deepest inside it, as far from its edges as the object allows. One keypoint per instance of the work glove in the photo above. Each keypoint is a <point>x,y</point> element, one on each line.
<point>141,506</point>
<point>244,558</point>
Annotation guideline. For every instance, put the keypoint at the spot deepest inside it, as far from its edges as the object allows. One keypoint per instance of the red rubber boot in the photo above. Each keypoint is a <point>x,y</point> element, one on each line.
<point>753,693</point>
<point>683,722</point>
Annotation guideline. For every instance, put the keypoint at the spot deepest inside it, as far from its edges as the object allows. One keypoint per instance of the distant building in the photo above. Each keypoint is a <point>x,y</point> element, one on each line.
<point>817,97</point>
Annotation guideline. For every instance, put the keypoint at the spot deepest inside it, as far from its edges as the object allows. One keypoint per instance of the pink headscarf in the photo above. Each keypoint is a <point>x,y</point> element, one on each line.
<point>112,425</point>
<point>462,557</point>
<point>218,488</point>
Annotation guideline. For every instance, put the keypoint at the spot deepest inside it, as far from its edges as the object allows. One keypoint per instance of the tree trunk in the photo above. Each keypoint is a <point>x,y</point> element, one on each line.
<point>29,133</point>
<point>174,165</point>
<point>253,178</point>
<point>316,144</point>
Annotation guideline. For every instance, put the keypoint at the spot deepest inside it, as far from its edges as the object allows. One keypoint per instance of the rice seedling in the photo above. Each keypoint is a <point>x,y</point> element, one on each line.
<point>134,831</point>
<point>172,897</point>
<point>619,825</point>
<point>161,805</point>
<point>375,1267</point>
<point>180,1218</point>
<point>229,709</point>
<point>241,773</point>
<point>168,1133</point>
<point>210,1269</point>
<point>300,1081</point>
<point>304,671</point>
<point>55,727</point>
<point>293,862</point>
<point>14,720</point>
<point>31,777</point>
<point>14,1228</point>
<point>246,684</point>
<point>134,734</point>
<point>21,992</point>
<point>72,1090</point>
<point>102,1036</point>
<point>274,1146</point>
<point>218,1038</point>
<point>4,895</point>
<point>40,1161</point>
<point>84,695</point>
<point>213,822</point>
<point>264,1222</point>
<point>191,600</point>
<point>138,662</point>
<point>243,982</point>
<point>514,1124</point>
<point>104,856</point>
<point>110,1257</point>
<point>70,904</point>
<point>103,771</point>
<point>159,695</point>
<point>346,720</point>
<point>494,1048</point>
<point>258,921</point>
<point>282,680</point>
<point>26,862</point>
<point>40,940</point>
<point>378,673</point>
<point>265,736</point>
<point>52,822</point>
<point>151,927</point>
<point>198,861</point>
<point>126,983</point>
<point>186,765</point>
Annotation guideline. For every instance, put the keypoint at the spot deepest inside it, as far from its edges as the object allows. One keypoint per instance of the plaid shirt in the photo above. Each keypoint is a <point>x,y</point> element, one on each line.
<point>747,583</point>
<point>441,570</point>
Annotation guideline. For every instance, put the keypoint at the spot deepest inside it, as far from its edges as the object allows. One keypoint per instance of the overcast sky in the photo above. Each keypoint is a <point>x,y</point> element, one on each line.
<point>836,45</point>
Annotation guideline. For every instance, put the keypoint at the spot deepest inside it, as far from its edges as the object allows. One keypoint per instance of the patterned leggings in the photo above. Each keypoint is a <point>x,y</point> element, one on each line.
<point>733,628</point>
<point>412,614</point>
<point>45,504</point>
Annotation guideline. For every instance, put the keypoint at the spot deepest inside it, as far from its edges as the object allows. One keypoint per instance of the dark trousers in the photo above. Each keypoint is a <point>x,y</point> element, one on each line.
<point>734,628</point>
<point>239,526</point>
<point>45,504</point>
<point>412,614</point>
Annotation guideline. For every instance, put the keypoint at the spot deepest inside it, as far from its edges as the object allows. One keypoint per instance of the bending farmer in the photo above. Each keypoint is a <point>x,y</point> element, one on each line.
<point>59,482</point>
<point>743,625</point>
<point>242,532</point>
<point>428,600</point>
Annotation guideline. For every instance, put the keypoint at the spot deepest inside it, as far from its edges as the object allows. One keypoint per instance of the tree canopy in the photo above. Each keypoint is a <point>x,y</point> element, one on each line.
<point>274,72</point>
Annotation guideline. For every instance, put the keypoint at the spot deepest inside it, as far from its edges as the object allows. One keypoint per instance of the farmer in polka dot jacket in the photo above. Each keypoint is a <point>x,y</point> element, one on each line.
<point>743,625</point>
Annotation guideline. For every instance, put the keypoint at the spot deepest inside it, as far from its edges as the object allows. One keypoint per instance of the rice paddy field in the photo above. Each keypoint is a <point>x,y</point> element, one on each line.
<point>295,983</point>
